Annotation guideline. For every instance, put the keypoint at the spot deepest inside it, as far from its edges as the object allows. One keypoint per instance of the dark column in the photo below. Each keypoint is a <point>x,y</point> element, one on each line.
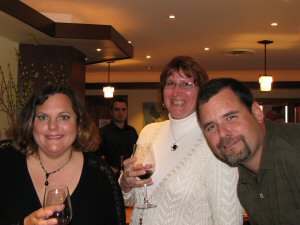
<point>41,64</point>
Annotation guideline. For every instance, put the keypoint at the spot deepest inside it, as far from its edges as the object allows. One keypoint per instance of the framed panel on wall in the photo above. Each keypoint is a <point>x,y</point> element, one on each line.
<point>154,112</point>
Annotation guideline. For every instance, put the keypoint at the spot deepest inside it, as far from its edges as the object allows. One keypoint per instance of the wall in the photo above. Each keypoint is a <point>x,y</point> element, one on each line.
<point>135,103</point>
<point>7,56</point>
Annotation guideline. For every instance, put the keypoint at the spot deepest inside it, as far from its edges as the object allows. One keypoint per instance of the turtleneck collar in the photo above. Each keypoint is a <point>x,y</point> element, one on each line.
<point>181,126</point>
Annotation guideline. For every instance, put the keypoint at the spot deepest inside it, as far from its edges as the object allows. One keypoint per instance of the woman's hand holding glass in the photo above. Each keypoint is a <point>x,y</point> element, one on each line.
<point>40,216</point>
<point>142,166</point>
<point>131,172</point>
<point>59,196</point>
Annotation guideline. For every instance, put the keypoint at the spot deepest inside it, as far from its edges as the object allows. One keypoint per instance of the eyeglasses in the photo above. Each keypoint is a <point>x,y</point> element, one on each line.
<point>183,85</point>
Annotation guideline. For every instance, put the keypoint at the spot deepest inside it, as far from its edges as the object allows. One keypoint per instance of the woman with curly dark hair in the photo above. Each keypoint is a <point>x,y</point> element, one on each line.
<point>51,144</point>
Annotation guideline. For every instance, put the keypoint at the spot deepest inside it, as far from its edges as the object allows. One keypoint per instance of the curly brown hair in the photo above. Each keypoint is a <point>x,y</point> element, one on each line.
<point>21,132</point>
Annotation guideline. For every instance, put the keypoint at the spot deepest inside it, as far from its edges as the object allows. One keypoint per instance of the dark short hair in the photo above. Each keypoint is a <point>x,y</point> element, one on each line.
<point>118,99</point>
<point>214,86</point>
<point>189,66</point>
<point>21,132</point>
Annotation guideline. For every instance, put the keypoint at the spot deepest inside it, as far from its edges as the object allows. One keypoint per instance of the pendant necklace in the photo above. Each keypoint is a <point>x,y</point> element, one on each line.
<point>175,146</point>
<point>47,174</point>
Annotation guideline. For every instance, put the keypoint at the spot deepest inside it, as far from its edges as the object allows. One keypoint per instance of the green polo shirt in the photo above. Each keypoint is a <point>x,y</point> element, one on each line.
<point>272,196</point>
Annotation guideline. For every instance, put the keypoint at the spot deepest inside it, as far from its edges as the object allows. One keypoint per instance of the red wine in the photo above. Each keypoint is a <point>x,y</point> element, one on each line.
<point>146,175</point>
<point>61,218</point>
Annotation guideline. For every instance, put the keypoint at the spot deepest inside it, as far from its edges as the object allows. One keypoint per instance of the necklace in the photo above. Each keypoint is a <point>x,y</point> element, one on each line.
<point>175,146</point>
<point>47,174</point>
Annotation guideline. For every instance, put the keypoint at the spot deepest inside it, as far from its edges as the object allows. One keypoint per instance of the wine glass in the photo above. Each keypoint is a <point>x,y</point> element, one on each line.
<point>144,155</point>
<point>59,195</point>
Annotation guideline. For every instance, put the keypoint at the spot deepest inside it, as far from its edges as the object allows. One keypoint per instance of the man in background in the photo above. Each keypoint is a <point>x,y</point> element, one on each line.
<point>117,137</point>
<point>267,153</point>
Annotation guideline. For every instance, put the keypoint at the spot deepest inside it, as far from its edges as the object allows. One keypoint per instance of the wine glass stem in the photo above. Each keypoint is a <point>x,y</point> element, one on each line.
<point>145,197</point>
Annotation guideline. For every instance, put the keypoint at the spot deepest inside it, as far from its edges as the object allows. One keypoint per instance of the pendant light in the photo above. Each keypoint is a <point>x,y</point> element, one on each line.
<point>108,90</point>
<point>265,80</point>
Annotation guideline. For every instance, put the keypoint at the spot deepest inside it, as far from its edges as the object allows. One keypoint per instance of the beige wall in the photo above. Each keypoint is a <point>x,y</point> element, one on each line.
<point>7,56</point>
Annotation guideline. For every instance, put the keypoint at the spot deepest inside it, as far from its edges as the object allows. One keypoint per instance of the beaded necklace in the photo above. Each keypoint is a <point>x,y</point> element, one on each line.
<point>47,174</point>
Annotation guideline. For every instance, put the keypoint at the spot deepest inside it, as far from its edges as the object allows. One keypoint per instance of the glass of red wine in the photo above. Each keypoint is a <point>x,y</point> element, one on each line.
<point>59,195</point>
<point>145,156</point>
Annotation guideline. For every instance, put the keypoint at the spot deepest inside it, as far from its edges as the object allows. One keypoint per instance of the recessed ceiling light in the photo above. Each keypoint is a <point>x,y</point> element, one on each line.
<point>206,49</point>
<point>130,42</point>
<point>98,49</point>
<point>148,56</point>
<point>274,24</point>
<point>172,16</point>
<point>148,68</point>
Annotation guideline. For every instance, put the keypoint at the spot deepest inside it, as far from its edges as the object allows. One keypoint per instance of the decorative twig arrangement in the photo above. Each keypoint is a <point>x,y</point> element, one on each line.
<point>8,95</point>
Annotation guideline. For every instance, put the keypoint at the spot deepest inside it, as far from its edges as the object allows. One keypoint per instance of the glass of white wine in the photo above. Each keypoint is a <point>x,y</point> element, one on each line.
<point>145,155</point>
<point>59,195</point>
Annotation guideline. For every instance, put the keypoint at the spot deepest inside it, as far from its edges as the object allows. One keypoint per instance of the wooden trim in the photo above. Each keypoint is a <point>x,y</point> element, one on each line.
<point>277,85</point>
<point>156,85</point>
<point>140,85</point>
<point>278,101</point>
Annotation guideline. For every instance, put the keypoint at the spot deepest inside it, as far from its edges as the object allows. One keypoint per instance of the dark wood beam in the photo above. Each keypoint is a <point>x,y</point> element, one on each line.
<point>28,26</point>
<point>27,15</point>
<point>140,85</point>
<point>156,85</point>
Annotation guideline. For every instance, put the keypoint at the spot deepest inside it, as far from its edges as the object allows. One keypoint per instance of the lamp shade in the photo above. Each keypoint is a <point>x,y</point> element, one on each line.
<point>108,91</point>
<point>265,82</point>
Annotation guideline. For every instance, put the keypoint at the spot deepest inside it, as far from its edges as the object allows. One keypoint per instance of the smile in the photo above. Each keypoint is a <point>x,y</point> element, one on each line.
<point>178,102</point>
<point>54,136</point>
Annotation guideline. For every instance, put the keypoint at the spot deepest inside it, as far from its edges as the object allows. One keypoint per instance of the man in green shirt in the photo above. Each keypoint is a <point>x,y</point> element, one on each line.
<point>267,153</point>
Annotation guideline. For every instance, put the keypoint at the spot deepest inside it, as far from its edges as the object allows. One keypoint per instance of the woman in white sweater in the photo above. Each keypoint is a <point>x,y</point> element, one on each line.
<point>190,185</point>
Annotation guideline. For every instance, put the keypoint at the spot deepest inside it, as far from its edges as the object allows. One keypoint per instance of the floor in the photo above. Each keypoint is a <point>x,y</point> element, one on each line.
<point>128,213</point>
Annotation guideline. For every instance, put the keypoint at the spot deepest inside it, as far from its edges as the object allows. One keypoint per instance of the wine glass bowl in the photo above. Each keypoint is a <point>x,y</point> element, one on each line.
<point>59,195</point>
<point>145,156</point>
<point>147,175</point>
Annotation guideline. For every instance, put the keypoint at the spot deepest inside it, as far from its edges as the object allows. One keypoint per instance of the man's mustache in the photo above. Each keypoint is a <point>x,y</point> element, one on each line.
<point>228,141</point>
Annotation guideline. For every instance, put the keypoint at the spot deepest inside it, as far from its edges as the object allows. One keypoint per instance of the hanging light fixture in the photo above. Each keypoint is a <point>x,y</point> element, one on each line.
<point>265,80</point>
<point>108,90</point>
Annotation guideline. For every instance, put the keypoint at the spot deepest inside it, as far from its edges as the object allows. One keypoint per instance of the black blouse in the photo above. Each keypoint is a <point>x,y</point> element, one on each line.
<point>97,199</point>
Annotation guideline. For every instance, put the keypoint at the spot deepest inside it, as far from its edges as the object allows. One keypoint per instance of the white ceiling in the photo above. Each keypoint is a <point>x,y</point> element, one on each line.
<point>221,25</point>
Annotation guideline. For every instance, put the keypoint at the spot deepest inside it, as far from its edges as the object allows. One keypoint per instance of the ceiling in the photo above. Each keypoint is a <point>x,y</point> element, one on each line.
<point>22,24</point>
<point>221,25</point>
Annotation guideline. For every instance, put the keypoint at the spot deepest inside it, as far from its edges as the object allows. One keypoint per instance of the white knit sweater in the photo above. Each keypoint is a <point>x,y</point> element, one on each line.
<point>190,187</point>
